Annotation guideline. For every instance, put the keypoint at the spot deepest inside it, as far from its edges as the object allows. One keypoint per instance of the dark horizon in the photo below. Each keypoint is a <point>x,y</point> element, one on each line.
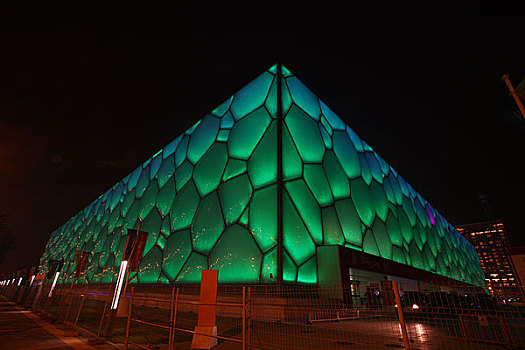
<point>86,100</point>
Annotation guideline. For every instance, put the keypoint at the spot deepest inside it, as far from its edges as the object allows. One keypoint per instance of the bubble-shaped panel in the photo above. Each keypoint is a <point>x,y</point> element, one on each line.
<point>236,256</point>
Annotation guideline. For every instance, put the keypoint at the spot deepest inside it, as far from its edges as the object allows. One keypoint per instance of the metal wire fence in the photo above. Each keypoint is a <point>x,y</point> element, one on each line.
<point>366,315</point>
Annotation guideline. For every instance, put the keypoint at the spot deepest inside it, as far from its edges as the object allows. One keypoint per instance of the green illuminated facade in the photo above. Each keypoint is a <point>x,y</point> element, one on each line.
<point>209,200</point>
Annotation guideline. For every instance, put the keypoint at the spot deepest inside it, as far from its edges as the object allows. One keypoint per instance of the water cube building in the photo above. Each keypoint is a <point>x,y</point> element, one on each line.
<point>256,189</point>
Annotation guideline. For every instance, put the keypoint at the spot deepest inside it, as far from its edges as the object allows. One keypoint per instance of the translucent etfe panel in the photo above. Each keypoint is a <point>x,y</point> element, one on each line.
<point>346,154</point>
<point>380,202</point>
<point>132,215</point>
<point>350,222</point>
<point>398,255</point>
<point>331,229</point>
<point>223,107</point>
<point>208,224</point>
<point>289,268</point>
<point>134,178</point>
<point>374,166</point>
<point>149,198</point>
<point>166,170</point>
<point>271,99</point>
<point>286,98</point>
<point>356,140</point>
<point>366,174</point>
<point>236,256</point>
<point>308,272</point>
<point>208,171</point>
<point>155,165</point>
<point>363,201</point>
<point>171,147</point>
<point>151,225</point>
<point>305,134</point>
<point>416,257</point>
<point>263,217</point>
<point>336,176</point>
<point>395,188</point>
<point>335,122</point>
<point>180,152</point>
<point>369,244</point>
<point>303,97</point>
<point>227,121</point>
<point>184,207</point>
<point>394,230</point>
<point>326,138</point>
<point>296,238</point>
<point>269,267</point>
<point>233,168</point>
<point>203,137</point>
<point>307,206</point>
<point>235,195</point>
<point>150,266</point>
<point>143,183</point>
<point>166,197</point>
<point>251,96</point>
<point>183,174</point>
<point>316,180</point>
<point>326,126</point>
<point>292,163</point>
<point>262,165</point>
<point>223,135</point>
<point>192,270</point>
<point>176,251</point>
<point>247,132</point>
<point>382,239</point>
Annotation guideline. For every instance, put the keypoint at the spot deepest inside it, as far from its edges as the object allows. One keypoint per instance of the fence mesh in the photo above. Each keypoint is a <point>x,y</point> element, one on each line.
<point>367,315</point>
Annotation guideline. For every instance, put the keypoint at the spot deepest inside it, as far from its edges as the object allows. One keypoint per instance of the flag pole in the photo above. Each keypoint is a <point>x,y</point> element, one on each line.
<point>514,95</point>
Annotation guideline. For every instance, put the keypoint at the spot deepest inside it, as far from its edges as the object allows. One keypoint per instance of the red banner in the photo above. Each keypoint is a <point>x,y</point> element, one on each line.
<point>81,258</point>
<point>138,249</point>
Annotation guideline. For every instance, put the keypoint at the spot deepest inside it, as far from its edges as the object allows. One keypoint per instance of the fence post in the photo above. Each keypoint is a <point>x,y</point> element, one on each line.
<point>243,318</point>
<point>249,317</point>
<point>129,316</point>
<point>505,330</point>
<point>170,344</point>
<point>400,314</point>
<point>68,308</point>
<point>79,310</point>
<point>103,312</point>
<point>174,319</point>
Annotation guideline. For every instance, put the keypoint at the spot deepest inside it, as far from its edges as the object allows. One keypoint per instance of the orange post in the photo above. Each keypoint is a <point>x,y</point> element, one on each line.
<point>174,318</point>
<point>514,94</point>
<point>399,308</point>
<point>207,312</point>
<point>129,317</point>
<point>170,344</point>
<point>103,312</point>
<point>79,311</point>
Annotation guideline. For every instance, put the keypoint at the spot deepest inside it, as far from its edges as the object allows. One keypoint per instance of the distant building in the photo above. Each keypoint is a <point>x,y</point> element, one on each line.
<point>492,246</point>
<point>517,257</point>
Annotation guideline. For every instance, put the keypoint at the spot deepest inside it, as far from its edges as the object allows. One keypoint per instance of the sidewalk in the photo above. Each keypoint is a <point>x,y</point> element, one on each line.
<point>23,329</point>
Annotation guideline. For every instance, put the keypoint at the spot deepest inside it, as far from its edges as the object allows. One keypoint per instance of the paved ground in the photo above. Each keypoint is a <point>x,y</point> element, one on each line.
<point>23,329</point>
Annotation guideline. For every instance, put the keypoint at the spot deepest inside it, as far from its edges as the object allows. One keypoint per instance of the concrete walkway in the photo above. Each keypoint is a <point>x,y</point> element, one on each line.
<point>23,329</point>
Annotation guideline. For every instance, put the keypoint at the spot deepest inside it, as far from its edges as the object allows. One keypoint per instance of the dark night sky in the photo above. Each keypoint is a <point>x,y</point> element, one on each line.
<point>86,97</point>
